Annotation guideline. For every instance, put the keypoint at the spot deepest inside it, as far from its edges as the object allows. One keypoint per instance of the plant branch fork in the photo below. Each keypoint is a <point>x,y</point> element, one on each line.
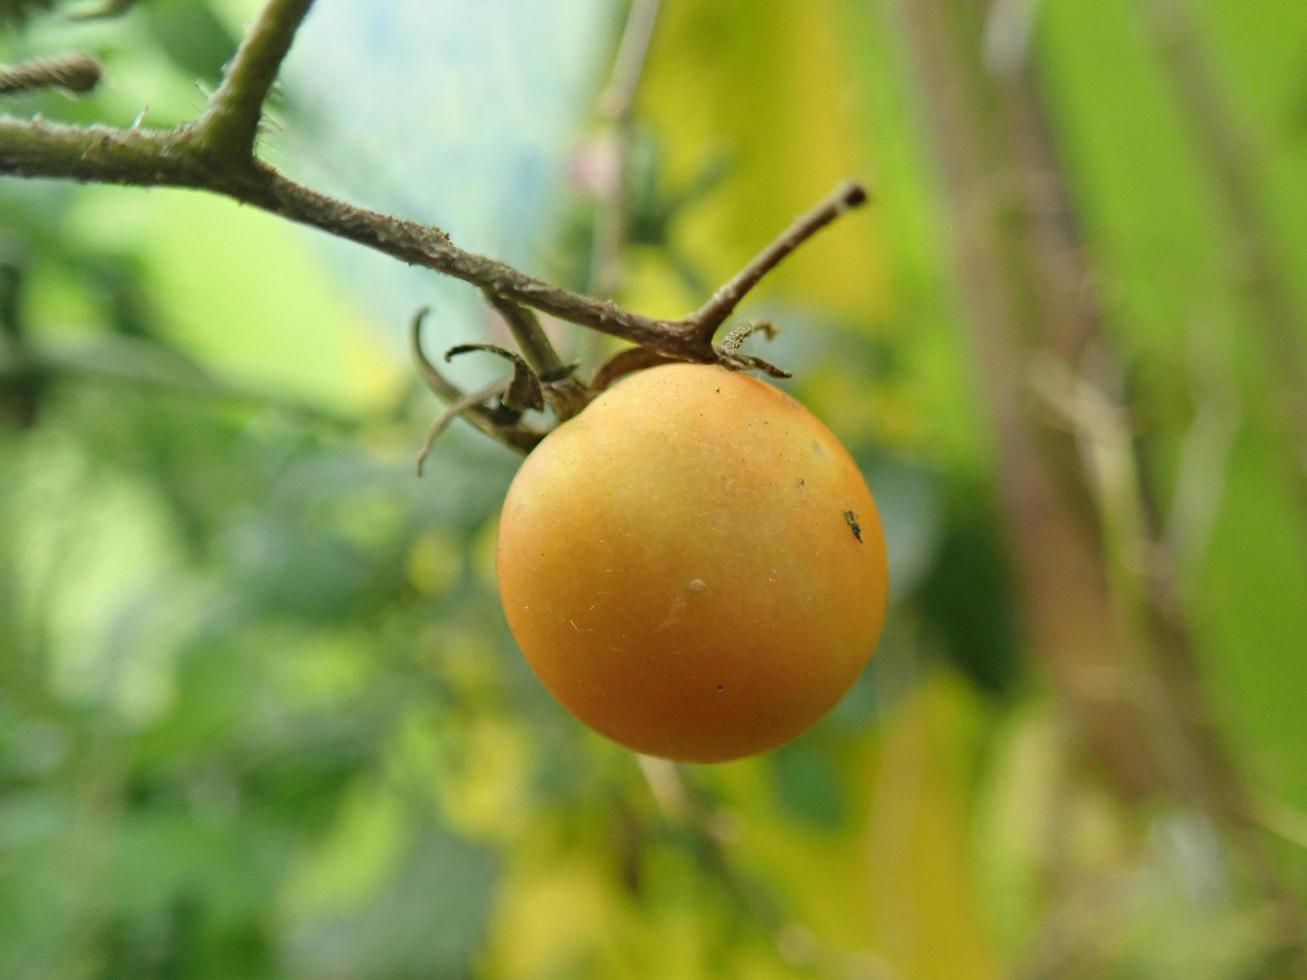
<point>217,153</point>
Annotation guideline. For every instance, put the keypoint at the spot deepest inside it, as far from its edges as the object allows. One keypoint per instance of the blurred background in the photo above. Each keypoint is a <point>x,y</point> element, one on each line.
<point>260,715</point>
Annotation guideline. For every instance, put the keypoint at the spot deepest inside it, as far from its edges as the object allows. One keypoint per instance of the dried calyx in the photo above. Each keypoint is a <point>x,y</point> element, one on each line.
<point>498,408</point>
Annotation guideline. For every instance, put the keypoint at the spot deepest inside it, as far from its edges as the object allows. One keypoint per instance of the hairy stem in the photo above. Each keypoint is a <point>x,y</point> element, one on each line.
<point>723,302</point>
<point>149,158</point>
<point>530,336</point>
<point>230,123</point>
<point>71,72</point>
<point>216,153</point>
<point>1131,682</point>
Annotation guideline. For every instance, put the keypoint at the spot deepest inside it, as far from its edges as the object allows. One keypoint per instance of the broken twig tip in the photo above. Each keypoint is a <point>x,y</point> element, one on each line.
<point>854,195</point>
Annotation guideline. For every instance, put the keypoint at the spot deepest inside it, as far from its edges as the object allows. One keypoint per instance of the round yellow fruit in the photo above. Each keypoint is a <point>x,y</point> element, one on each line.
<point>693,565</point>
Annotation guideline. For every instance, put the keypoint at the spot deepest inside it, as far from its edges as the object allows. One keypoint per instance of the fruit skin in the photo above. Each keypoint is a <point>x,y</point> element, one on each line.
<point>680,565</point>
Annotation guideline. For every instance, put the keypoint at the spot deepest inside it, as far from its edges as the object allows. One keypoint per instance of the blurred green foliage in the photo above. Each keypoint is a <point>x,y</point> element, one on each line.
<point>259,712</point>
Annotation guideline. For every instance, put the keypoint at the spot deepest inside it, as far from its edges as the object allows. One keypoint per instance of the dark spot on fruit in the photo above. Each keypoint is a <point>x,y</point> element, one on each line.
<point>718,390</point>
<point>851,519</point>
<point>719,689</point>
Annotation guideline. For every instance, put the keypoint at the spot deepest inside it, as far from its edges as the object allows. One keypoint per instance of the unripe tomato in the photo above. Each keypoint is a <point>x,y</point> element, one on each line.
<point>693,565</point>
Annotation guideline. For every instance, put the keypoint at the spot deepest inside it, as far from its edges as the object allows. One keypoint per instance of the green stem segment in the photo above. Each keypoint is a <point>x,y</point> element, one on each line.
<point>229,126</point>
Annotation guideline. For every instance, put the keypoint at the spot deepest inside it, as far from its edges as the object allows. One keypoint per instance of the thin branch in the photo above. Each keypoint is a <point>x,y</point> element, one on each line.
<point>1229,154</point>
<point>617,104</point>
<point>530,336</point>
<point>148,158</point>
<point>72,72</point>
<point>228,128</point>
<point>427,246</point>
<point>99,154</point>
<point>152,158</point>
<point>1068,612</point>
<point>713,313</point>
<point>618,98</point>
<point>216,154</point>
